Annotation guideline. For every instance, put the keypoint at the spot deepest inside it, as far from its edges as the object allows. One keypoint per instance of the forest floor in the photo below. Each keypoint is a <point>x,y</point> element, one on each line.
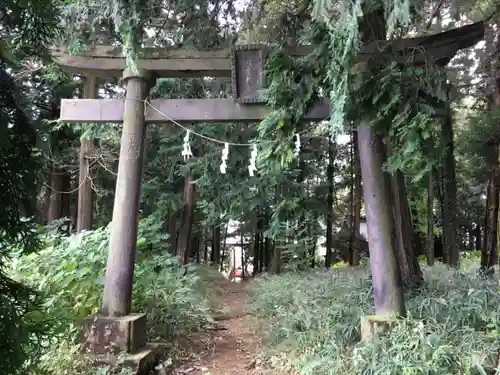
<point>231,348</point>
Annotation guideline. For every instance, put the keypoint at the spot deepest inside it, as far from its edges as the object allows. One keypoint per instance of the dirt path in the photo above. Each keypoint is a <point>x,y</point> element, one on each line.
<point>231,349</point>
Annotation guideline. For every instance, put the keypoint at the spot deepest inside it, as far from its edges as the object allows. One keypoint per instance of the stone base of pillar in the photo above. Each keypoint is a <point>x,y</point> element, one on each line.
<point>113,335</point>
<point>144,362</point>
<point>121,342</point>
<point>373,325</point>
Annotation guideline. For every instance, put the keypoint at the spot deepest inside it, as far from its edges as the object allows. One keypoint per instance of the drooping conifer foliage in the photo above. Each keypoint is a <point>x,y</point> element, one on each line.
<point>18,170</point>
<point>25,29</point>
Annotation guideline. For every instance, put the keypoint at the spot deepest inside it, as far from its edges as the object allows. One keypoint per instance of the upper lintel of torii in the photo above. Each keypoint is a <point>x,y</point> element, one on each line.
<point>245,65</point>
<point>107,61</point>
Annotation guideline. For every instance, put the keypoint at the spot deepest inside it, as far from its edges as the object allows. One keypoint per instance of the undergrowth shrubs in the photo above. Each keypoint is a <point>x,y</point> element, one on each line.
<point>68,274</point>
<point>311,324</point>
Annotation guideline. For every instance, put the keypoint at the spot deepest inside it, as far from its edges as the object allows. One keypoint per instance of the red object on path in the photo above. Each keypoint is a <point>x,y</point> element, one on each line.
<point>237,272</point>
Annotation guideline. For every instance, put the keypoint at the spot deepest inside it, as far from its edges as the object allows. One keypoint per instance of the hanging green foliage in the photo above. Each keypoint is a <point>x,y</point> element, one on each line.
<point>400,101</point>
<point>128,20</point>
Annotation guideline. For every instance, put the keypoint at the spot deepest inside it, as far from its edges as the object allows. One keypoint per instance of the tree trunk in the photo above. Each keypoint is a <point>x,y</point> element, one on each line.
<point>56,192</point>
<point>196,246</point>
<point>430,220</point>
<point>74,210</point>
<point>242,246</point>
<point>185,240</point>
<point>387,289</point>
<point>205,246</point>
<point>66,195</point>
<point>215,254</point>
<point>418,238</point>
<point>409,269</point>
<point>357,198</point>
<point>256,247</point>
<point>84,218</point>
<point>347,251</point>
<point>261,249</point>
<point>489,256</point>
<point>329,216</point>
<point>171,227</point>
<point>449,214</point>
<point>223,250</point>
<point>267,252</point>
<point>408,264</point>
<point>302,224</point>
<point>46,202</point>
<point>311,245</point>
<point>477,235</point>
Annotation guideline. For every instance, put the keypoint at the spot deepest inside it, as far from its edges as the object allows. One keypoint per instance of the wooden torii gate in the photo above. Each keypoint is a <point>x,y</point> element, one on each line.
<point>245,66</point>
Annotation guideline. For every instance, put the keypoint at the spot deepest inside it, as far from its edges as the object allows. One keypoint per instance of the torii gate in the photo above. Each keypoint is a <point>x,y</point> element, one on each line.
<point>245,66</point>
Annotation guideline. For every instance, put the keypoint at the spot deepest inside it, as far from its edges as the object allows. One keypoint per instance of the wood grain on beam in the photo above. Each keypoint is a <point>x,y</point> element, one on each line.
<point>179,110</point>
<point>106,61</point>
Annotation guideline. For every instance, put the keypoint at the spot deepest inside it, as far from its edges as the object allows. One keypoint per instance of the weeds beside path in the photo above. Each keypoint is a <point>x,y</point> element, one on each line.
<point>231,348</point>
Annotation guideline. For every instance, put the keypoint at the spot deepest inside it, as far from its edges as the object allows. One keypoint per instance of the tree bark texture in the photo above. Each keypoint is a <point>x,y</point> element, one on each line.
<point>478,235</point>
<point>55,194</point>
<point>430,219</point>
<point>205,246</point>
<point>329,216</point>
<point>215,254</point>
<point>223,248</point>
<point>185,231</point>
<point>357,199</point>
<point>449,213</point>
<point>409,269</point>
<point>489,257</point>
<point>267,253</point>
<point>196,244</point>
<point>117,299</point>
<point>84,218</point>
<point>256,248</point>
<point>67,193</point>
<point>171,226</point>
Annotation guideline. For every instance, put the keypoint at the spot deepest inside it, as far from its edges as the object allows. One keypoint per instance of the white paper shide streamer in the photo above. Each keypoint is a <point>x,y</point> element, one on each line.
<point>253,159</point>
<point>252,168</point>
<point>186,150</point>
<point>225,154</point>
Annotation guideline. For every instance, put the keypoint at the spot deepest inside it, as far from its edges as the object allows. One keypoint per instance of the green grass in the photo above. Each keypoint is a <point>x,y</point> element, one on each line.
<point>310,323</point>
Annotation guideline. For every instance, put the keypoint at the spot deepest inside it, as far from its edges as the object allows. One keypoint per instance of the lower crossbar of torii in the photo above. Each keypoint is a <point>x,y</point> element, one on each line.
<point>178,110</point>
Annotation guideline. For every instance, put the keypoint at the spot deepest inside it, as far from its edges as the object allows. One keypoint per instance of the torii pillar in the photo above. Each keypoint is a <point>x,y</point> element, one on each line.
<point>387,294</point>
<point>122,245</point>
<point>117,326</point>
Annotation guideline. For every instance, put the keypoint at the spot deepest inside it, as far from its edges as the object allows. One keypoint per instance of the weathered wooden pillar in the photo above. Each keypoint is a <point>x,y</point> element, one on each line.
<point>387,290</point>
<point>122,247</point>
<point>84,215</point>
